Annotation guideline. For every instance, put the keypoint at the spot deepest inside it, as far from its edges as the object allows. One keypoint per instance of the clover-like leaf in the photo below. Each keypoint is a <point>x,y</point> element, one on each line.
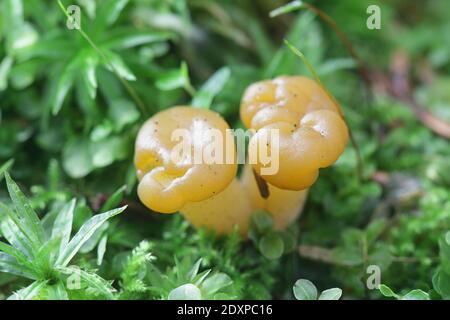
<point>185,292</point>
<point>331,294</point>
<point>305,290</point>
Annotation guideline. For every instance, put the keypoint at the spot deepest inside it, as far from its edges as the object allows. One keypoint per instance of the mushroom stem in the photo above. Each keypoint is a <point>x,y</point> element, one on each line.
<point>235,205</point>
<point>222,212</point>
<point>284,205</point>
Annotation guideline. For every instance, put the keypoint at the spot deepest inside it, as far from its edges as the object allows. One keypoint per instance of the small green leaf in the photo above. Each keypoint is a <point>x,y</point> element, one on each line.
<point>387,292</point>
<point>416,294</point>
<point>5,68</point>
<point>13,12</point>
<point>204,97</point>
<point>374,230</point>
<point>84,234</point>
<point>101,249</point>
<point>349,256</point>
<point>28,293</point>
<point>26,219</point>
<point>185,292</point>
<point>215,283</point>
<point>444,253</point>
<point>289,237</point>
<point>94,240</point>
<point>175,79</point>
<point>94,281</point>
<point>194,270</point>
<point>331,294</point>
<point>88,74</point>
<point>122,112</point>
<point>305,290</point>
<point>62,227</point>
<point>63,85</point>
<point>108,150</point>
<point>5,167</point>
<point>114,200</point>
<point>109,11</point>
<point>271,246</point>
<point>116,62</point>
<point>199,278</point>
<point>14,235</point>
<point>77,160</point>
<point>18,255</point>
<point>56,292</point>
<point>24,36</point>
<point>103,151</point>
<point>47,254</point>
<point>10,265</point>
<point>101,131</point>
<point>54,175</point>
<point>171,80</point>
<point>335,65</point>
<point>131,38</point>
<point>262,220</point>
<point>441,283</point>
<point>289,7</point>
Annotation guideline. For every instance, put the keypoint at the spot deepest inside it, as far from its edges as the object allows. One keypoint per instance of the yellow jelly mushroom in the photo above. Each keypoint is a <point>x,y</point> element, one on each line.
<point>284,205</point>
<point>166,185</point>
<point>221,213</point>
<point>311,129</point>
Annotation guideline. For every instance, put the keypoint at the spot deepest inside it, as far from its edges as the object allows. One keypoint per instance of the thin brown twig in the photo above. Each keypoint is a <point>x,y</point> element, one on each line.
<point>438,126</point>
<point>398,85</point>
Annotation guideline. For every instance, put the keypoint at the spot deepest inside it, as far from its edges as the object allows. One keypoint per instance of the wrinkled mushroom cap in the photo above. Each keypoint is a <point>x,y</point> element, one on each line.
<point>165,184</point>
<point>312,132</point>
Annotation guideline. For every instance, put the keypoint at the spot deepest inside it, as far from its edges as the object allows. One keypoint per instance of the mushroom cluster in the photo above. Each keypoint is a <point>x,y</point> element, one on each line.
<point>312,135</point>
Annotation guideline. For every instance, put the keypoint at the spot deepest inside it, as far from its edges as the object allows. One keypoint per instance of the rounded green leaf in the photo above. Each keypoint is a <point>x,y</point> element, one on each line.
<point>416,294</point>
<point>331,294</point>
<point>271,246</point>
<point>262,220</point>
<point>187,291</point>
<point>77,160</point>
<point>305,290</point>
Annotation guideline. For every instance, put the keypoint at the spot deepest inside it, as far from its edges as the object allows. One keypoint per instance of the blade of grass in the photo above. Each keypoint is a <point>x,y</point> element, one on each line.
<point>28,293</point>
<point>101,249</point>
<point>83,235</point>
<point>14,235</point>
<point>18,255</point>
<point>5,167</point>
<point>114,199</point>
<point>297,5</point>
<point>62,227</point>
<point>26,242</point>
<point>26,219</point>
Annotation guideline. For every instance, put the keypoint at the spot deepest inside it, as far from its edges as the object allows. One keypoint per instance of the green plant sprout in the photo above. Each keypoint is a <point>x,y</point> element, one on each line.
<point>306,290</point>
<point>44,257</point>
